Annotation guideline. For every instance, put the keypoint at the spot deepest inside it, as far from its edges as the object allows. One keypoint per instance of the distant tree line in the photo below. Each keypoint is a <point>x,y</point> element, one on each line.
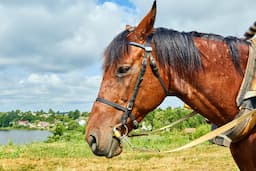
<point>155,119</point>
<point>8,119</point>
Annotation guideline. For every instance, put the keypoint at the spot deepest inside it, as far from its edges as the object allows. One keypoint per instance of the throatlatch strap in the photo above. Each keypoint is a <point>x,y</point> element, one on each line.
<point>156,73</point>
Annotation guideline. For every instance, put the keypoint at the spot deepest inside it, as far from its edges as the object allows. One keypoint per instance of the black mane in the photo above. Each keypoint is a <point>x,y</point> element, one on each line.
<point>116,50</point>
<point>173,49</point>
<point>177,50</point>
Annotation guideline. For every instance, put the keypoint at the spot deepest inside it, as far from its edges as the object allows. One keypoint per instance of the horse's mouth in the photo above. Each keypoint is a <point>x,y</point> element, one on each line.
<point>108,146</point>
<point>115,148</point>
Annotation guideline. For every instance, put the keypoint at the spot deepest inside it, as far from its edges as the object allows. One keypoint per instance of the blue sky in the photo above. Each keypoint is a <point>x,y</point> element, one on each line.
<point>51,52</point>
<point>128,4</point>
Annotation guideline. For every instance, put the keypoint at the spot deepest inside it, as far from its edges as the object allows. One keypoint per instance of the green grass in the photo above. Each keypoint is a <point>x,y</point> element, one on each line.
<point>72,145</point>
<point>72,153</point>
<point>43,150</point>
<point>169,140</point>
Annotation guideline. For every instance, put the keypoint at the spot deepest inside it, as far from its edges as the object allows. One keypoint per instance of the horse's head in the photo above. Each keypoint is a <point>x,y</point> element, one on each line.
<point>124,99</point>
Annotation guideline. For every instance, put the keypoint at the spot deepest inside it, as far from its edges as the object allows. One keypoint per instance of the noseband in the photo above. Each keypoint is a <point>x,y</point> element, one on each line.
<point>128,110</point>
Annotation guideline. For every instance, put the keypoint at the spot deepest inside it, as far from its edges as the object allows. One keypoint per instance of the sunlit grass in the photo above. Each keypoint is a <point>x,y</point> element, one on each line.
<point>76,155</point>
<point>45,150</point>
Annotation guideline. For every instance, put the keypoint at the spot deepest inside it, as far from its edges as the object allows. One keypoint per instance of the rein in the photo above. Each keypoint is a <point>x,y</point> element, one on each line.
<point>128,110</point>
<point>191,114</point>
<point>221,130</point>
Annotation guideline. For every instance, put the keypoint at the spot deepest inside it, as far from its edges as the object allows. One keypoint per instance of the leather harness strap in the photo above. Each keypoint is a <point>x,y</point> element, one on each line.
<point>114,105</point>
<point>246,99</point>
<point>248,88</point>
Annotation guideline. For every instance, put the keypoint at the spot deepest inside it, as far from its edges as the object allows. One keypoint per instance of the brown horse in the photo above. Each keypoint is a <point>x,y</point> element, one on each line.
<point>203,70</point>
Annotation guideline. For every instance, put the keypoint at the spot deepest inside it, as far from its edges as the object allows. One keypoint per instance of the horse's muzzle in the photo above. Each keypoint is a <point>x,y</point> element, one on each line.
<point>109,150</point>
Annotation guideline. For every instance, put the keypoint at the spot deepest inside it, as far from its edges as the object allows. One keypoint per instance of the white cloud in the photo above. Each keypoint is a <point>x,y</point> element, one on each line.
<point>44,91</point>
<point>44,79</point>
<point>220,17</point>
<point>49,51</point>
<point>59,38</point>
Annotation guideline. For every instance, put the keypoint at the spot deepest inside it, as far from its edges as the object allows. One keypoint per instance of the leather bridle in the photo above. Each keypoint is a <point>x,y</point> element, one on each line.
<point>128,110</point>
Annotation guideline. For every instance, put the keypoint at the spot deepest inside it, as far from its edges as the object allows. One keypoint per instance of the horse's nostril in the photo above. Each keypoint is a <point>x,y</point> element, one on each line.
<point>92,142</point>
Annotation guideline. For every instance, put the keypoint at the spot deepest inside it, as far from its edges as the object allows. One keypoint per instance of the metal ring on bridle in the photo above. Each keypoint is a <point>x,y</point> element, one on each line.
<point>117,133</point>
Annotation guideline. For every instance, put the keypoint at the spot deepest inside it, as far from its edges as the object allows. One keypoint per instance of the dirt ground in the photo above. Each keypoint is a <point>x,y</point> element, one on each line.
<point>196,159</point>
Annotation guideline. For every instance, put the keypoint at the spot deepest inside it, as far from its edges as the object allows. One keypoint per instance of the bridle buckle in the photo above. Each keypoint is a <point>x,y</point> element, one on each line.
<point>148,49</point>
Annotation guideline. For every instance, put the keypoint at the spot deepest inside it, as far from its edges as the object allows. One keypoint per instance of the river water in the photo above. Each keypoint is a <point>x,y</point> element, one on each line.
<point>23,136</point>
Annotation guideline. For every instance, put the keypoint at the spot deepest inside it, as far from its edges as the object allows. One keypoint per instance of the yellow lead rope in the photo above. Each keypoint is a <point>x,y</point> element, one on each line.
<point>191,114</point>
<point>210,135</point>
<point>214,133</point>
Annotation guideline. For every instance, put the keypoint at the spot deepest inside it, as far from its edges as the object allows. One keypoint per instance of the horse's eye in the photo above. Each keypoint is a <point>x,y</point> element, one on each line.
<point>122,70</point>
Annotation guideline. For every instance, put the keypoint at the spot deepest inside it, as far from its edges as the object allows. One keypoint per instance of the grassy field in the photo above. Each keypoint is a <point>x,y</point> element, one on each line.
<point>75,156</point>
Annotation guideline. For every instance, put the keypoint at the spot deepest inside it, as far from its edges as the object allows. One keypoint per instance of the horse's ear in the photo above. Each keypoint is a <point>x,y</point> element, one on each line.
<point>146,26</point>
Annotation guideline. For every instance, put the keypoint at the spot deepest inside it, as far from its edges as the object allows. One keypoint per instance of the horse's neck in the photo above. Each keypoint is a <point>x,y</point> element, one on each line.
<point>213,90</point>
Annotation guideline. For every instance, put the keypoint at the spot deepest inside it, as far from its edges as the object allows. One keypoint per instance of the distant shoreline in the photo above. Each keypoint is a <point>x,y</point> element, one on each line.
<point>27,129</point>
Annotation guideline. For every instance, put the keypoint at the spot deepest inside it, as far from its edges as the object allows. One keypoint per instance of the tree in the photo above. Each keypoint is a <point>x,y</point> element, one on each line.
<point>59,130</point>
<point>74,115</point>
<point>28,116</point>
<point>7,119</point>
<point>85,114</point>
<point>72,125</point>
<point>50,111</point>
